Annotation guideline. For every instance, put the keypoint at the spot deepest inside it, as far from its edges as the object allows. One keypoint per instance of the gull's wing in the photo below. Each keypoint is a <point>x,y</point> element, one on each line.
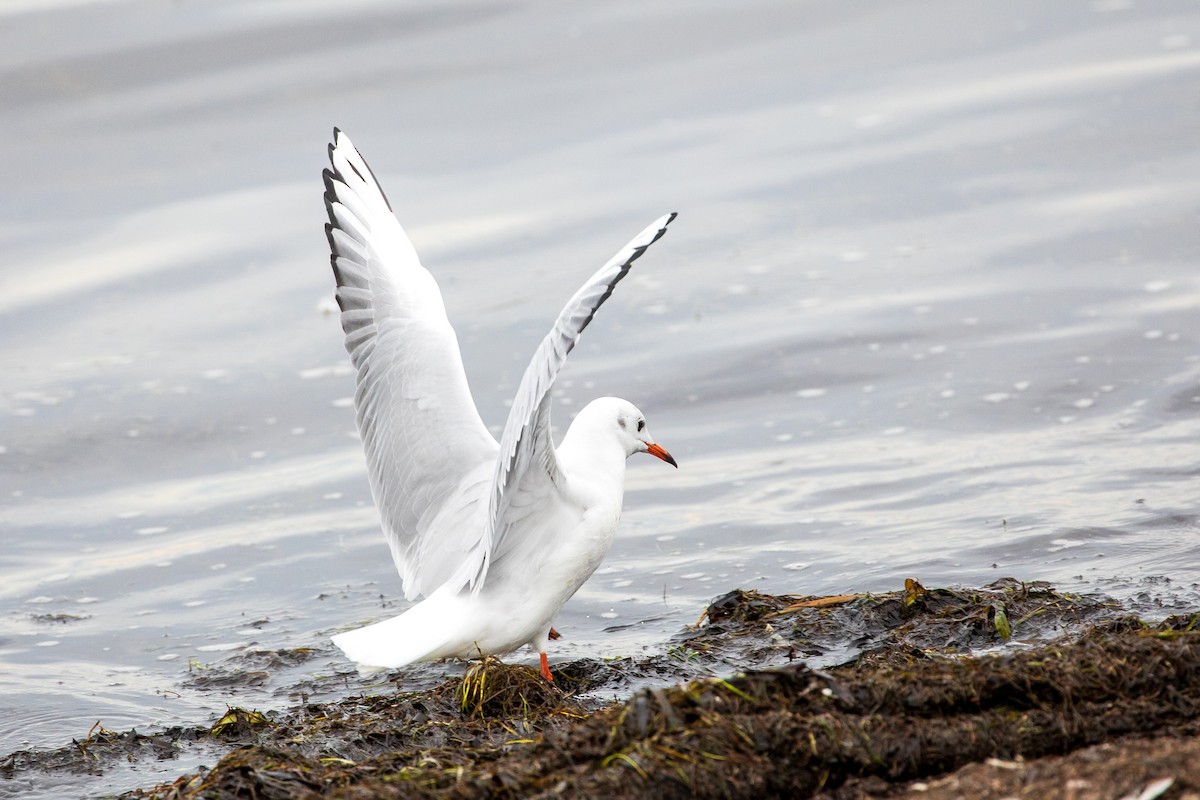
<point>526,440</point>
<point>427,450</point>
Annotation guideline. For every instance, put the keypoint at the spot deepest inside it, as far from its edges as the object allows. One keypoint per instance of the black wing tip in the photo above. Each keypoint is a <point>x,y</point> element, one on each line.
<point>661,231</point>
<point>337,132</point>
<point>378,185</point>
<point>628,265</point>
<point>338,282</point>
<point>334,145</point>
<point>331,180</point>
<point>341,301</point>
<point>330,199</point>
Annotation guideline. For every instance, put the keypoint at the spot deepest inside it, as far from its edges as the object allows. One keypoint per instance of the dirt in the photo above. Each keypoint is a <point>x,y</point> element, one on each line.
<point>1011,690</point>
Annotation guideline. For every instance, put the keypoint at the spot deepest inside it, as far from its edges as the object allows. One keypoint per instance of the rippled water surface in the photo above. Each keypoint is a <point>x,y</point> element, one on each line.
<point>929,308</point>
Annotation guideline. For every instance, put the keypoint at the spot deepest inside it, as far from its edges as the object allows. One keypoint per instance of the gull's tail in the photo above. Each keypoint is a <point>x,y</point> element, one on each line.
<point>423,633</point>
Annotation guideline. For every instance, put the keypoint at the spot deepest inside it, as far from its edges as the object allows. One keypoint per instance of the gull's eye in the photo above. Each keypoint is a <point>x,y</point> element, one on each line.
<point>641,424</point>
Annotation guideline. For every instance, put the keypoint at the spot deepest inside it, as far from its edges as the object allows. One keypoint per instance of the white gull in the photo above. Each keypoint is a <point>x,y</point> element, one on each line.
<point>496,536</point>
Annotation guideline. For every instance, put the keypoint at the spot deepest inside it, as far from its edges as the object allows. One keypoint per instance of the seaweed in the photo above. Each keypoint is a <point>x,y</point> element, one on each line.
<point>931,682</point>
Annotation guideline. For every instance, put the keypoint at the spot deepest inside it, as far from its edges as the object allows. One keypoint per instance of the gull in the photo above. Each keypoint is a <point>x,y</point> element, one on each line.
<point>496,536</point>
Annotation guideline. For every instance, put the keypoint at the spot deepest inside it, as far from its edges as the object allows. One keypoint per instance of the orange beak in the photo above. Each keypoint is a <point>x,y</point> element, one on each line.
<point>660,452</point>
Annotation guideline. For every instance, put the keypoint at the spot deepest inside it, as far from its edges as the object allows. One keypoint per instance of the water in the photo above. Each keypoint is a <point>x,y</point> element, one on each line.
<point>928,309</point>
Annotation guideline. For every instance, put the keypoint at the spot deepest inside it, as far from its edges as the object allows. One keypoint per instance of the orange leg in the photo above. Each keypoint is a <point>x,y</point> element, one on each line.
<point>546,668</point>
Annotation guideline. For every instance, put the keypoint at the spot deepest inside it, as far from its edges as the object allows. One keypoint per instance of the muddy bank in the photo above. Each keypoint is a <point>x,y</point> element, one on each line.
<point>1130,768</point>
<point>912,687</point>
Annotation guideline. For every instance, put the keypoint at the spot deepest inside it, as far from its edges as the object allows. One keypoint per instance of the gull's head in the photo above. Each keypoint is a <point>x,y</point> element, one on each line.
<point>622,419</point>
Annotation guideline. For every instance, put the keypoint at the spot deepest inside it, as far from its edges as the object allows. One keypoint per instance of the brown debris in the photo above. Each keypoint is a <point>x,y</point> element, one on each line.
<point>818,602</point>
<point>1132,768</point>
<point>906,714</point>
<point>781,733</point>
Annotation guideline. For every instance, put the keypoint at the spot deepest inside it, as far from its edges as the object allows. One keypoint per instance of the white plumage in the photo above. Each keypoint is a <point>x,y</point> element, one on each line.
<point>496,536</point>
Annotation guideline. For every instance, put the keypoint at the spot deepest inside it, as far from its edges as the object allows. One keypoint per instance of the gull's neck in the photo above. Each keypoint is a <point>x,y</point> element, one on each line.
<point>593,460</point>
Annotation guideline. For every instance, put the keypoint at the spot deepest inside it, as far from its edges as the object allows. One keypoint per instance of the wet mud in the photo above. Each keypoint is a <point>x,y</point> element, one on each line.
<point>1013,689</point>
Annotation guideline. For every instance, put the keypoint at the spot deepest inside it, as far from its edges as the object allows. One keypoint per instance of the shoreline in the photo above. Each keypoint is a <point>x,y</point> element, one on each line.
<point>997,686</point>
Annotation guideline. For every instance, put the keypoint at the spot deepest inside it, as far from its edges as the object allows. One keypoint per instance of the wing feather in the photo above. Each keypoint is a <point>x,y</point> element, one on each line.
<point>427,450</point>
<point>526,442</point>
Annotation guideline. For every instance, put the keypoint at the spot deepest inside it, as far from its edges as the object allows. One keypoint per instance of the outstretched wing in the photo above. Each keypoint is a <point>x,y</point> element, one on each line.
<point>427,449</point>
<point>526,441</point>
